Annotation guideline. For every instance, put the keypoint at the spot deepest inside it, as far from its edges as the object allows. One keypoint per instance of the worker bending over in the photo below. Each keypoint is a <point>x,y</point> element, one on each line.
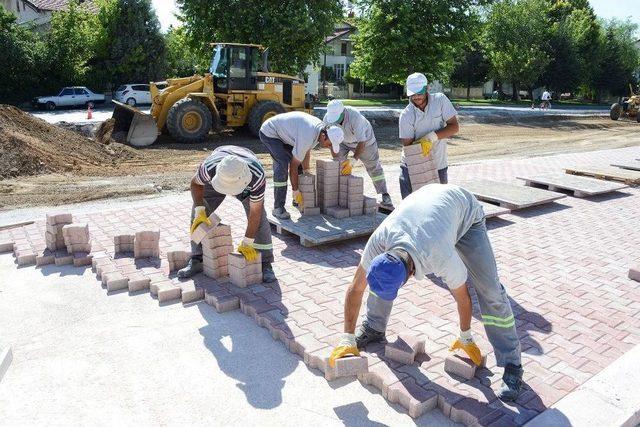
<point>428,119</point>
<point>440,230</point>
<point>232,171</point>
<point>359,139</point>
<point>289,138</point>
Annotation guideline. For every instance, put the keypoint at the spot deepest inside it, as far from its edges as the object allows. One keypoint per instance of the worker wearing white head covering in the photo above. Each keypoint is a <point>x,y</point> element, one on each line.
<point>359,139</point>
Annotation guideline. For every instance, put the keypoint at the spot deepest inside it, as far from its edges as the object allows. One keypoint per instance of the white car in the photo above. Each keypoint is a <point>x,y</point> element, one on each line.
<point>133,94</point>
<point>69,97</point>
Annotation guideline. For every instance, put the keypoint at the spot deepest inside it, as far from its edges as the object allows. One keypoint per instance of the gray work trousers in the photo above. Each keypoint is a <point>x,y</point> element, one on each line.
<point>371,160</point>
<point>262,243</point>
<point>475,251</point>
<point>282,156</point>
<point>405,181</point>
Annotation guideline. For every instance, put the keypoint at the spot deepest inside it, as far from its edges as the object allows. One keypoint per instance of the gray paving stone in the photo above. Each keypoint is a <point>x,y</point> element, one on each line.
<point>509,195</point>
<point>580,185</point>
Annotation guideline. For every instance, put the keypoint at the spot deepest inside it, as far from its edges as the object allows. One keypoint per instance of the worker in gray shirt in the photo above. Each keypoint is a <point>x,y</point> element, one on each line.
<point>428,118</point>
<point>439,230</point>
<point>360,139</point>
<point>289,138</point>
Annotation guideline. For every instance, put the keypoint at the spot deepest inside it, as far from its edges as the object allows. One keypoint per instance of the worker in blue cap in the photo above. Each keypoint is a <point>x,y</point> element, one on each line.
<point>440,230</point>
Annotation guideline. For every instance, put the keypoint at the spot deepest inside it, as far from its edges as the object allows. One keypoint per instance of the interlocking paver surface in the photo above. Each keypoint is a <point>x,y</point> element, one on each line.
<point>565,265</point>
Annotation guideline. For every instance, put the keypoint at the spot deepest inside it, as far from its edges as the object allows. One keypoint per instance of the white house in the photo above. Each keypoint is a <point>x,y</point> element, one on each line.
<point>37,13</point>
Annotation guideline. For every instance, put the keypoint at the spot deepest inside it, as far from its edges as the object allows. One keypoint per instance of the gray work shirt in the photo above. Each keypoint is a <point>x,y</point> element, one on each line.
<point>356,128</point>
<point>427,225</point>
<point>415,123</point>
<point>297,129</point>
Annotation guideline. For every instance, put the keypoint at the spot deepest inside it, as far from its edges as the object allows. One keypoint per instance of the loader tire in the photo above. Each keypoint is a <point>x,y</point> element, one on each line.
<point>262,111</point>
<point>616,111</point>
<point>189,120</point>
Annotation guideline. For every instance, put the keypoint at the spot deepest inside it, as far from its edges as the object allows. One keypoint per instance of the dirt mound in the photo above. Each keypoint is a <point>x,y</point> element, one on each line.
<point>105,134</point>
<point>30,146</point>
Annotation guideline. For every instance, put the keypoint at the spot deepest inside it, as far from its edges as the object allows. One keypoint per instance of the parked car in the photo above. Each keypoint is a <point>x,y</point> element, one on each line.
<point>133,94</point>
<point>69,97</point>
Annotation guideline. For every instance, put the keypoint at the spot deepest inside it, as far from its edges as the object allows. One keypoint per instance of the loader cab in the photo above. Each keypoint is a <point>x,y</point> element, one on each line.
<point>236,66</point>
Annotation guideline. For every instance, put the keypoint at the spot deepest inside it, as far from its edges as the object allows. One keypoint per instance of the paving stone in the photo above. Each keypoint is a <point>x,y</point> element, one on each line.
<point>64,259</point>
<point>59,218</point>
<point>627,176</point>
<point>222,303</point>
<point>347,367</point>
<point>155,284</point>
<point>45,258</point>
<point>168,291</point>
<point>459,366</point>
<point>415,399</point>
<point>311,211</point>
<point>381,376</point>
<point>138,282</point>
<point>203,229</point>
<point>338,213</point>
<point>116,281</point>
<point>634,273</point>
<point>76,233</point>
<point>189,292</point>
<point>404,349</point>
<point>81,259</point>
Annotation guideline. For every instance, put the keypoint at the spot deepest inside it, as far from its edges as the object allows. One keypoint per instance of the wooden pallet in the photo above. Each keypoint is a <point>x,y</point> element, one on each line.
<point>607,173</point>
<point>579,185</point>
<point>510,196</point>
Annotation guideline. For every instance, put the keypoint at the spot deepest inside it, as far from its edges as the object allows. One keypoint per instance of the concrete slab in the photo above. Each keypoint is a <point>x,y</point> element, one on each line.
<point>510,196</point>
<point>610,398</point>
<point>493,211</point>
<point>581,186</point>
<point>6,356</point>
<point>607,172</point>
<point>635,166</point>
<point>321,229</point>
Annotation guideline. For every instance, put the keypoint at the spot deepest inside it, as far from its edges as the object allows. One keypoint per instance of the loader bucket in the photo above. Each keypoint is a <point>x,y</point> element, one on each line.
<point>140,128</point>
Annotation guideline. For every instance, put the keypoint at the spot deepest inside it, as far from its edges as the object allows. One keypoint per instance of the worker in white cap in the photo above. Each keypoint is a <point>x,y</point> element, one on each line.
<point>428,119</point>
<point>289,138</point>
<point>359,139</point>
<point>232,171</point>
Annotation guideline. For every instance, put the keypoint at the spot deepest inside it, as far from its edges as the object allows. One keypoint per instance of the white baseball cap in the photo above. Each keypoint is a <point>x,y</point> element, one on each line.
<point>232,176</point>
<point>334,109</point>
<point>416,83</point>
<point>336,136</point>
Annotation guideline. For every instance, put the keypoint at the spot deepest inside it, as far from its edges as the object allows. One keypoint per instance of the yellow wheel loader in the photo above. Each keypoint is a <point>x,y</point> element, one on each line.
<point>629,107</point>
<point>239,90</point>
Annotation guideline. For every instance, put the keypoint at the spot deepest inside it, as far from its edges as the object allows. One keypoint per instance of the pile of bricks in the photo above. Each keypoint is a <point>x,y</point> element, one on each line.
<point>307,186</point>
<point>123,243</point>
<point>216,247</point>
<point>327,177</point>
<point>354,189</point>
<point>422,169</point>
<point>146,244</point>
<point>242,272</point>
<point>53,234</point>
<point>178,258</point>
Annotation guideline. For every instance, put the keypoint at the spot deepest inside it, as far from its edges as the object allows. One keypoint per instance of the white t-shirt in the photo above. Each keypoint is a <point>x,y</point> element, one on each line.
<point>415,123</point>
<point>546,96</point>
<point>296,128</point>
<point>356,128</point>
<point>428,224</point>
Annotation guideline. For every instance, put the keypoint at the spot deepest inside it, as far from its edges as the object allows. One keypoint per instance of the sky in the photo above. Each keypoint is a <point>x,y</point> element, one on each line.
<point>607,9</point>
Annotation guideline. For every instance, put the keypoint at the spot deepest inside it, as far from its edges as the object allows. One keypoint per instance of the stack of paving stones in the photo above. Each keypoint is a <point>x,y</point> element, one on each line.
<point>123,243</point>
<point>243,272</point>
<point>328,187</point>
<point>204,229</point>
<point>54,239</point>
<point>146,244</point>
<point>355,195</point>
<point>178,258</point>
<point>307,186</point>
<point>422,169</point>
<point>216,247</point>
<point>78,243</point>
<point>370,206</point>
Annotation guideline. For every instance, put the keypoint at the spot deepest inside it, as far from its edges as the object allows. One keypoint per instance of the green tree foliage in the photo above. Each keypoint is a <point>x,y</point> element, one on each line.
<point>183,61</point>
<point>516,38</point>
<point>473,67</point>
<point>399,37</point>
<point>294,30</point>
<point>22,58</point>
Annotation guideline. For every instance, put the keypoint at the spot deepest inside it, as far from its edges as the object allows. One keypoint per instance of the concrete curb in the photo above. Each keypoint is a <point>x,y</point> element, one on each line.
<point>5,360</point>
<point>610,398</point>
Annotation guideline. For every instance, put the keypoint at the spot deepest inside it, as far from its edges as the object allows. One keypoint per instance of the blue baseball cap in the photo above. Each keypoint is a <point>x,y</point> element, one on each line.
<point>387,273</point>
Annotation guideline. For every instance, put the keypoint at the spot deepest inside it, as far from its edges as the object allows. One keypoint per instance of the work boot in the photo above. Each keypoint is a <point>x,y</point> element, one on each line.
<point>511,383</point>
<point>280,213</point>
<point>268,276</point>
<point>386,202</point>
<point>367,335</point>
<point>193,267</point>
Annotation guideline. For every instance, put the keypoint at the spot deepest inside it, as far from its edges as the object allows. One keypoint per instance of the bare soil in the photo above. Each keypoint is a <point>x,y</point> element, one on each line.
<point>168,166</point>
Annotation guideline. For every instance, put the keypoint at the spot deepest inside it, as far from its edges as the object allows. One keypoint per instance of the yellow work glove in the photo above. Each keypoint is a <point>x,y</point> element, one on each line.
<point>247,250</point>
<point>466,344</point>
<point>346,347</point>
<point>427,141</point>
<point>346,168</point>
<point>297,199</point>
<point>199,217</point>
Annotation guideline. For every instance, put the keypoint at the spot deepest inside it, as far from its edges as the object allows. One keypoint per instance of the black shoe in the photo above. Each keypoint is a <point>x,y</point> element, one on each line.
<point>193,267</point>
<point>511,383</point>
<point>367,335</point>
<point>268,276</point>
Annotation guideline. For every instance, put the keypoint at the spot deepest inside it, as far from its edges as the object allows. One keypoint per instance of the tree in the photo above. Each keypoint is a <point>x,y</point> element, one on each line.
<point>22,60</point>
<point>293,30</point>
<point>181,59</point>
<point>397,37</point>
<point>516,38</point>
<point>472,69</point>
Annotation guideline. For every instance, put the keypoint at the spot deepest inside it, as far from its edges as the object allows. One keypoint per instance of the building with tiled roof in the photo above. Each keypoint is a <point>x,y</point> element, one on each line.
<point>37,13</point>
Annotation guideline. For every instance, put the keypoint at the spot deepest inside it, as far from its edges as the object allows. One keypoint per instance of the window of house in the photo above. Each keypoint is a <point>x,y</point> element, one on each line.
<point>338,70</point>
<point>343,49</point>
